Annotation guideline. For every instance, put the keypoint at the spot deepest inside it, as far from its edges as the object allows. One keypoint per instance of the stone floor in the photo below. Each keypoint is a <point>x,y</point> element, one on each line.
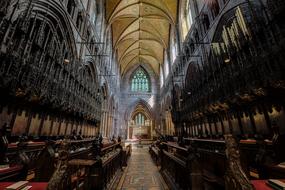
<point>141,173</point>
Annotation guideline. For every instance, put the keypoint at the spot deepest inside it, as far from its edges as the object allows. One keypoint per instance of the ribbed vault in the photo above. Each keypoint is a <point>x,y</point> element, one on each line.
<point>140,30</point>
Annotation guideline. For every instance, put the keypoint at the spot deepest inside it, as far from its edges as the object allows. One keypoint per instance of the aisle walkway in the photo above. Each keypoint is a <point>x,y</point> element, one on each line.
<point>141,173</point>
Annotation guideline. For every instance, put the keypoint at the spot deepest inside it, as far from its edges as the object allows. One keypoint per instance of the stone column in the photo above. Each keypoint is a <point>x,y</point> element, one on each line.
<point>102,122</point>
<point>109,126</point>
<point>112,125</point>
<point>128,130</point>
<point>166,123</point>
<point>106,124</point>
<point>151,129</point>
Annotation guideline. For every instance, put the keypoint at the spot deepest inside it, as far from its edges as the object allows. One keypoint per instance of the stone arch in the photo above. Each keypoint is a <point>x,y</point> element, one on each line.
<point>140,106</point>
<point>58,17</point>
<point>131,108</point>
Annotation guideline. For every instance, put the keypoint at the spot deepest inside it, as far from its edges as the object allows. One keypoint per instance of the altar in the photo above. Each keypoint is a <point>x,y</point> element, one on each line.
<point>140,131</point>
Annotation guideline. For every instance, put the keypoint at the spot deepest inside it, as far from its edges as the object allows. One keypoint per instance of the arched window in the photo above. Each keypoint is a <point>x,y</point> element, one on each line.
<point>139,119</point>
<point>140,81</point>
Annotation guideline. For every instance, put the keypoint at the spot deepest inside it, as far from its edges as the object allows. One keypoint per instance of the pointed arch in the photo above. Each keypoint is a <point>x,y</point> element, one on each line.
<point>139,105</point>
<point>140,80</point>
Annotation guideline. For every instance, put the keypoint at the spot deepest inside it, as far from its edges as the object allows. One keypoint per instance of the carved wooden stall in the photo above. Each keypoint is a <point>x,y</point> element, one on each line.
<point>174,165</point>
<point>74,164</point>
<point>22,160</point>
<point>47,92</point>
<point>218,164</point>
<point>204,164</point>
<point>236,88</point>
<point>36,160</point>
<point>127,152</point>
<point>44,90</point>
<point>111,159</point>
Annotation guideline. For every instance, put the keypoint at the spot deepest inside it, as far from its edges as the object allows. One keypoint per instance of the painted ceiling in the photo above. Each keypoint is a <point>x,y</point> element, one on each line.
<point>140,30</point>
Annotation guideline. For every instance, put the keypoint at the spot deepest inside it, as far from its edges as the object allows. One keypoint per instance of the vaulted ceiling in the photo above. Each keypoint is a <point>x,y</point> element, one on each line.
<point>140,30</point>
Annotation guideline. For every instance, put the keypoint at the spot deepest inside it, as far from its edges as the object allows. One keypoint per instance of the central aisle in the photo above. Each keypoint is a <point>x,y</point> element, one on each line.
<point>141,173</point>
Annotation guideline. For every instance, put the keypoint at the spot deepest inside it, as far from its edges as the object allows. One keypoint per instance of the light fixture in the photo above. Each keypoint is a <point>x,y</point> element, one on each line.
<point>227,60</point>
<point>66,61</point>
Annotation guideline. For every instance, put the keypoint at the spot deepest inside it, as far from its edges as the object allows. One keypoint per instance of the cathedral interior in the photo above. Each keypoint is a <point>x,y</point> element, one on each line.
<point>142,94</point>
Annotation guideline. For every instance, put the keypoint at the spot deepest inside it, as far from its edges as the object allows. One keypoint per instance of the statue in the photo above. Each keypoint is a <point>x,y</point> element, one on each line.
<point>60,179</point>
<point>235,178</point>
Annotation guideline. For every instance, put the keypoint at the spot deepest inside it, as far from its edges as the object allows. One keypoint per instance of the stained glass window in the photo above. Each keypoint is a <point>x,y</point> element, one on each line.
<point>140,119</point>
<point>140,81</point>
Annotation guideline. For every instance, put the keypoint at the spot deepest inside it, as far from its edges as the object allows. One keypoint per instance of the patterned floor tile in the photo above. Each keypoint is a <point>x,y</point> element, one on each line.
<point>142,173</point>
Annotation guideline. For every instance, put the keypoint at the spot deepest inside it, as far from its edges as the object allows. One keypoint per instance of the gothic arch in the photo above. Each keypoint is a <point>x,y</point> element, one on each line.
<point>55,14</point>
<point>140,70</point>
<point>140,102</point>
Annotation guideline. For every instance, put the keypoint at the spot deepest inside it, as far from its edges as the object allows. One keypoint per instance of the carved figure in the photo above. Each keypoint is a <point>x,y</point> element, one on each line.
<point>60,179</point>
<point>97,146</point>
<point>235,178</point>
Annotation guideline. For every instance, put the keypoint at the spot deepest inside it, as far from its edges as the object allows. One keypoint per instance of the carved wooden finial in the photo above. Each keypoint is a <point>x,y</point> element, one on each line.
<point>235,178</point>
<point>60,179</point>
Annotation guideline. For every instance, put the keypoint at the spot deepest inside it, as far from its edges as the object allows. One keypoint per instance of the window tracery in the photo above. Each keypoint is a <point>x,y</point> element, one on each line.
<point>140,119</point>
<point>140,81</point>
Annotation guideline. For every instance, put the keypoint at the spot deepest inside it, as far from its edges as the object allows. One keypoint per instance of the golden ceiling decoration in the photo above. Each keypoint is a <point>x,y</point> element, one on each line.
<point>140,30</point>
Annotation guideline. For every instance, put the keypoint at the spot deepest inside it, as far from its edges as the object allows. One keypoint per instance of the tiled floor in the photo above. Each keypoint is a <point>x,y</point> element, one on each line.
<point>141,173</point>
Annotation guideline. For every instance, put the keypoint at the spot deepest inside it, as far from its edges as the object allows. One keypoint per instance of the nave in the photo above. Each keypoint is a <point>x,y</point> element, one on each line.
<point>141,173</point>
<point>142,94</point>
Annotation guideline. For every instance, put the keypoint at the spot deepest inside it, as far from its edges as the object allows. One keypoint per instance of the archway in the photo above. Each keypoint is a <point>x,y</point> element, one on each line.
<point>140,122</point>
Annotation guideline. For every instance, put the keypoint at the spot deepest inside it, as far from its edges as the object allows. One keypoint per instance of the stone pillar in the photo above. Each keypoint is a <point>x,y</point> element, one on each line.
<point>128,130</point>
<point>112,125</point>
<point>151,135</point>
<point>109,125</point>
<point>102,122</point>
<point>106,124</point>
<point>166,123</point>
